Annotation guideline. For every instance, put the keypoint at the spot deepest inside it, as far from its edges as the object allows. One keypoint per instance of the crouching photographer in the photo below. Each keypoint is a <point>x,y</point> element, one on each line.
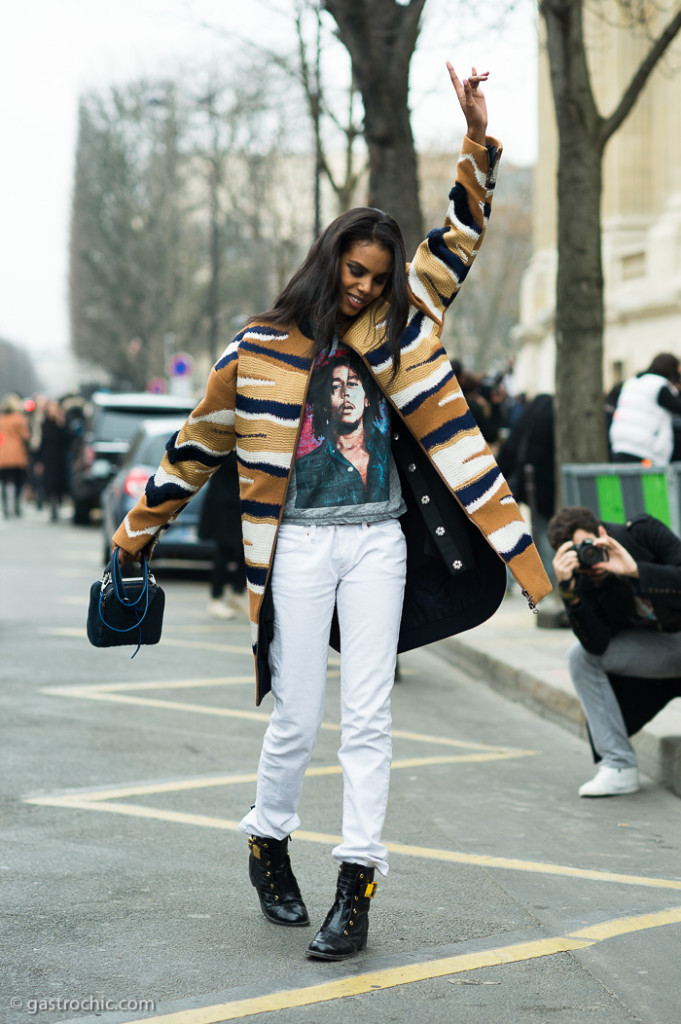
<point>621,586</point>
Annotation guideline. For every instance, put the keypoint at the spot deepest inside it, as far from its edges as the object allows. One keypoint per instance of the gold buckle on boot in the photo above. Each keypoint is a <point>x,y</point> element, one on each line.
<point>253,847</point>
<point>370,890</point>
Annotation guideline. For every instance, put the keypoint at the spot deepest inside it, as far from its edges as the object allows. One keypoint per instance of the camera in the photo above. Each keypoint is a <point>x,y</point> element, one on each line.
<point>589,554</point>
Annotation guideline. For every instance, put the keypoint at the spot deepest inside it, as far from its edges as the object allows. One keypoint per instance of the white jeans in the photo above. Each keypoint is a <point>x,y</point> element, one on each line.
<point>362,570</point>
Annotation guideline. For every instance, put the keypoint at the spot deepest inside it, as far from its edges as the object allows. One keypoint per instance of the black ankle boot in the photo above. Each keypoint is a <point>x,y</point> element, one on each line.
<point>269,868</point>
<point>346,925</point>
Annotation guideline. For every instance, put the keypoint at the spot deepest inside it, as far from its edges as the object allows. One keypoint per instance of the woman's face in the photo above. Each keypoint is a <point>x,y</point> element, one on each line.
<point>365,269</point>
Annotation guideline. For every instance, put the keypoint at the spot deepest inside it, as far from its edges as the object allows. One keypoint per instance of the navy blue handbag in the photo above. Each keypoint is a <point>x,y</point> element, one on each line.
<point>125,610</point>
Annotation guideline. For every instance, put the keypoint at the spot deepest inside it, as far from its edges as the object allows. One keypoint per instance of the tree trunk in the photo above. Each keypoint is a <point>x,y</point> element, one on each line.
<point>583,133</point>
<point>580,425</point>
<point>580,434</point>
<point>380,37</point>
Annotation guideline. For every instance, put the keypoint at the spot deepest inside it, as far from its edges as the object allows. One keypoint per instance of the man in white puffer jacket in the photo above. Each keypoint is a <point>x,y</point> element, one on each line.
<point>642,426</point>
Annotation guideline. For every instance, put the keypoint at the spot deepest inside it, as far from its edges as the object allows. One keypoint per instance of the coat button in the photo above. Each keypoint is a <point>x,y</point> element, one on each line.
<point>412,467</point>
<point>349,469</point>
<point>396,436</point>
<point>440,530</point>
<point>457,564</point>
<point>425,499</point>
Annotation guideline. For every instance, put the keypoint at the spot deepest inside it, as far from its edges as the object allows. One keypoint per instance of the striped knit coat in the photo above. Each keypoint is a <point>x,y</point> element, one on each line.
<point>255,399</point>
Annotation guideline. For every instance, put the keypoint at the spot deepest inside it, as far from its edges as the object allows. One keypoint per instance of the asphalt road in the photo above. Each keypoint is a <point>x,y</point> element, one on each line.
<point>126,895</point>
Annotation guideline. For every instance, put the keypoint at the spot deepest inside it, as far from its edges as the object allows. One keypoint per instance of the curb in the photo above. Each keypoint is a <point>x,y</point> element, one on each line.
<point>658,744</point>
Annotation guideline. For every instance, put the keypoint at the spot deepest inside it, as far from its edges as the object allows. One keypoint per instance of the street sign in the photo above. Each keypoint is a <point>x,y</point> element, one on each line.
<point>180,365</point>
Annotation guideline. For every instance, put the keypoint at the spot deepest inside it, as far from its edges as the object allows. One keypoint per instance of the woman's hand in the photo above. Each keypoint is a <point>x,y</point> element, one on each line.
<point>125,557</point>
<point>472,102</point>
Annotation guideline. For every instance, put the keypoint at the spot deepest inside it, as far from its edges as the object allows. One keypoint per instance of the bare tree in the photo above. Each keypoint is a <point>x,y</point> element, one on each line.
<point>309,69</point>
<point>17,371</point>
<point>182,220</point>
<point>488,307</point>
<point>583,132</point>
<point>131,249</point>
<point>380,36</point>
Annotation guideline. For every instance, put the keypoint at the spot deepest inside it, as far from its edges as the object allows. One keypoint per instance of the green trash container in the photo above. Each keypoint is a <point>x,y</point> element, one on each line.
<point>616,492</point>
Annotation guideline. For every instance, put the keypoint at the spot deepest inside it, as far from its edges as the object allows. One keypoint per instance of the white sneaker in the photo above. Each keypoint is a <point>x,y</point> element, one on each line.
<point>217,609</point>
<point>611,782</point>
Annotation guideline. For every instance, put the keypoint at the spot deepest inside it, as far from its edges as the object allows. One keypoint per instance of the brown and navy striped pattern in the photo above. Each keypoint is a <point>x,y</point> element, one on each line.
<point>256,393</point>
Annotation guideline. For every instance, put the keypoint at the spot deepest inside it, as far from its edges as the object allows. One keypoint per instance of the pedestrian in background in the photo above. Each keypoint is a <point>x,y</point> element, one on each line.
<point>35,469</point>
<point>642,425</point>
<point>14,435</point>
<point>317,570</point>
<point>486,398</point>
<point>221,522</point>
<point>527,460</point>
<point>52,457</point>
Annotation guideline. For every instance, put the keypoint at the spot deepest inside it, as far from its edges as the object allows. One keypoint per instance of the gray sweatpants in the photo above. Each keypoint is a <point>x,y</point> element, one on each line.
<point>638,653</point>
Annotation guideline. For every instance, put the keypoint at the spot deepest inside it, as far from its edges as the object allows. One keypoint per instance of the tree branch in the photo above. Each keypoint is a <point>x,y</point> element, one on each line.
<point>610,124</point>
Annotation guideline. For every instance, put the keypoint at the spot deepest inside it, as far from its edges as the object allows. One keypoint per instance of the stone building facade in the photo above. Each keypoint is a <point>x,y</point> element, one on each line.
<point>641,215</point>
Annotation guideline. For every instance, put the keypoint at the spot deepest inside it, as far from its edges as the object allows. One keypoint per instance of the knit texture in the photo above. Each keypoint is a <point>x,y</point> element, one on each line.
<point>256,392</point>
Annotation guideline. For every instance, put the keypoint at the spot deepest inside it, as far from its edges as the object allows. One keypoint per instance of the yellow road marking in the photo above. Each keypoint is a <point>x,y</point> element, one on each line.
<point>540,867</point>
<point>625,925</point>
<point>94,802</point>
<point>202,645</point>
<point>372,981</point>
<point>182,684</point>
<point>392,977</point>
<point>110,692</point>
<point>422,737</point>
<point>185,785</point>
<point>63,631</point>
<point>173,705</point>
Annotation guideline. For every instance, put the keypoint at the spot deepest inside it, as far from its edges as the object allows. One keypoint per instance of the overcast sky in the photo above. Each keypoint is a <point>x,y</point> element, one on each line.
<point>52,50</point>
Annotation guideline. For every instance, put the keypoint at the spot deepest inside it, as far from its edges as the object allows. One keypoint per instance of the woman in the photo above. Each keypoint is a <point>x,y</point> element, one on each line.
<point>316,569</point>
<point>14,435</point>
<point>52,457</point>
<point>642,424</point>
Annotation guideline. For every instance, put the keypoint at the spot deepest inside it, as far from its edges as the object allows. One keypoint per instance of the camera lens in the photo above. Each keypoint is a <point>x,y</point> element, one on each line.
<point>589,554</point>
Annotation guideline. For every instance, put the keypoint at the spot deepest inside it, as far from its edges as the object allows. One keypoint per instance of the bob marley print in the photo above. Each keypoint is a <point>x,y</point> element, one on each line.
<point>343,455</point>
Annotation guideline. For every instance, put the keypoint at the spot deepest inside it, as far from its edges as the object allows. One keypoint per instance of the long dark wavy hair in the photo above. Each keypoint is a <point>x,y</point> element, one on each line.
<point>312,295</point>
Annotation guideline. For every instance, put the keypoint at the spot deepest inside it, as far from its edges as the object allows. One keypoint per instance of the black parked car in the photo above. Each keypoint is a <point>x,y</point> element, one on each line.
<point>106,439</point>
<point>181,539</point>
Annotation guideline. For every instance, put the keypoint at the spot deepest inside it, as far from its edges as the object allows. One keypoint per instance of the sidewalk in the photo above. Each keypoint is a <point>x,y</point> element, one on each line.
<point>528,664</point>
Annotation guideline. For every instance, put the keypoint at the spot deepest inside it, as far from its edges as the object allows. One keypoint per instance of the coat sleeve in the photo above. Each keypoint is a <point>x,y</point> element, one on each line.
<point>192,456</point>
<point>659,580</point>
<point>444,258</point>
<point>589,624</point>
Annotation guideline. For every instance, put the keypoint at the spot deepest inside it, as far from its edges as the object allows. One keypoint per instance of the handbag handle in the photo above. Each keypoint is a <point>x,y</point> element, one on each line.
<point>119,584</point>
<point>113,570</point>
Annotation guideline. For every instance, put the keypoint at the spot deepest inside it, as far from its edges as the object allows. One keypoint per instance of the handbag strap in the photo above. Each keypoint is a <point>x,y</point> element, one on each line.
<point>119,583</point>
<point>113,572</point>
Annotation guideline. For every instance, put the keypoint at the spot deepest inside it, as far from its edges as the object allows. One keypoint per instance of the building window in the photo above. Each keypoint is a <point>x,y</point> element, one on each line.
<point>633,265</point>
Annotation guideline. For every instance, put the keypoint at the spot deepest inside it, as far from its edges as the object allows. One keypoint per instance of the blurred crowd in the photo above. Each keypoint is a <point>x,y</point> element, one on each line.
<point>40,436</point>
<point>38,439</point>
<point>642,417</point>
